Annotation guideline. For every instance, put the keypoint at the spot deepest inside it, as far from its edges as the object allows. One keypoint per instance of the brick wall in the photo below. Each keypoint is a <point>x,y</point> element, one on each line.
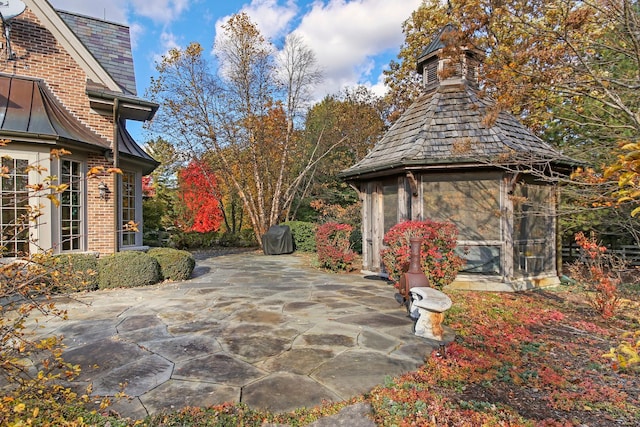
<point>101,212</point>
<point>39,55</point>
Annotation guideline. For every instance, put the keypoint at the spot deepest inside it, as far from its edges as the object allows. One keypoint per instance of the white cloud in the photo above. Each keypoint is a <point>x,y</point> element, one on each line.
<point>346,35</point>
<point>111,10</point>
<point>160,11</point>
<point>136,32</point>
<point>168,41</point>
<point>272,19</point>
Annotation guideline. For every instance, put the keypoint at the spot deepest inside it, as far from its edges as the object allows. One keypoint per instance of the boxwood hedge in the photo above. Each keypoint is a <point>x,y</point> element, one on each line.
<point>174,264</point>
<point>127,270</point>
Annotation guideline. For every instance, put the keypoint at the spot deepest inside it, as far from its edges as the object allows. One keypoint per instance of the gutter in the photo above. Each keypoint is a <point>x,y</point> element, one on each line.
<point>116,164</point>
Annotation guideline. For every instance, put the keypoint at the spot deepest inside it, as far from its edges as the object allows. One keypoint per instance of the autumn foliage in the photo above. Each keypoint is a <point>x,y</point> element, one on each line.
<point>333,246</point>
<point>198,193</point>
<point>438,259</point>
<point>596,272</point>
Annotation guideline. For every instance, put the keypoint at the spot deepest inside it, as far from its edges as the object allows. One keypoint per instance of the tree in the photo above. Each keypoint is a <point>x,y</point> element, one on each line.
<point>199,196</point>
<point>243,115</point>
<point>569,69</point>
<point>356,117</point>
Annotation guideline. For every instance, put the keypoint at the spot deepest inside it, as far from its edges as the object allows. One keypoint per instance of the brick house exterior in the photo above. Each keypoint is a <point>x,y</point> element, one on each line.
<point>67,81</point>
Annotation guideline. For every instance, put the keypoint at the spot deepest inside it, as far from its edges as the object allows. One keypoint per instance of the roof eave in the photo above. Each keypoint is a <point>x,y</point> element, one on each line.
<point>130,107</point>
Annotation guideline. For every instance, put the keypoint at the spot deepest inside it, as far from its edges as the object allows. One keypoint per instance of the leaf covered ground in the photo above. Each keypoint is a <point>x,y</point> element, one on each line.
<point>532,359</point>
<point>519,359</point>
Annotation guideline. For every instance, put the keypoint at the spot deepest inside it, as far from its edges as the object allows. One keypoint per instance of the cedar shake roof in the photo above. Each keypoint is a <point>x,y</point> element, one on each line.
<point>447,127</point>
<point>109,43</point>
<point>29,111</point>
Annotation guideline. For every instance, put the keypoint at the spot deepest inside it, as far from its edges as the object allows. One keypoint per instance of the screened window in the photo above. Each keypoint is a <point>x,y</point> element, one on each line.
<point>128,208</point>
<point>534,233</point>
<point>472,205</point>
<point>71,216</point>
<point>390,204</point>
<point>14,221</point>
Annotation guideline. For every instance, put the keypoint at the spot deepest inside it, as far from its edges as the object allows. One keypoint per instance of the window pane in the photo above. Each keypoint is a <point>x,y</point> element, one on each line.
<point>390,205</point>
<point>472,205</point>
<point>128,210</point>
<point>15,199</point>
<point>534,232</point>
<point>71,224</point>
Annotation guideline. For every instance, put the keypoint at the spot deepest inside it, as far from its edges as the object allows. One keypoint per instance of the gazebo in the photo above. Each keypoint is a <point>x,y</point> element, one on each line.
<point>448,158</point>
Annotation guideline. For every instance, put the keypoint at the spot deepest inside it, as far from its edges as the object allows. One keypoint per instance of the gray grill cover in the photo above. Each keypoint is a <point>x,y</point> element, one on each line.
<point>277,240</point>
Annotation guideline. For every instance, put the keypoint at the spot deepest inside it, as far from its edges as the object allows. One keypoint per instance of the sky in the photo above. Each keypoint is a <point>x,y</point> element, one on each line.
<point>354,40</point>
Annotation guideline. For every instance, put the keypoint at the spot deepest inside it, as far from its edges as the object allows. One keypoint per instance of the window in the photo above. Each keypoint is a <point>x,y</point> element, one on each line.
<point>71,218</point>
<point>430,73</point>
<point>390,204</point>
<point>473,205</point>
<point>14,222</point>
<point>533,233</point>
<point>128,208</point>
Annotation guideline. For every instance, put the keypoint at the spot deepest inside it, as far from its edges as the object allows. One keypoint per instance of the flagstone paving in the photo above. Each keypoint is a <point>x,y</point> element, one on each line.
<point>264,330</point>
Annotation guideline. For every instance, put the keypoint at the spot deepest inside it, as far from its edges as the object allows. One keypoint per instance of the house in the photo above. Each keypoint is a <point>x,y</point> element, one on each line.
<point>447,158</point>
<point>67,82</point>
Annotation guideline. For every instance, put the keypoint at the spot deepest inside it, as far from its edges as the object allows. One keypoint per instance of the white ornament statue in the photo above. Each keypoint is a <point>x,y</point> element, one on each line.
<point>428,306</point>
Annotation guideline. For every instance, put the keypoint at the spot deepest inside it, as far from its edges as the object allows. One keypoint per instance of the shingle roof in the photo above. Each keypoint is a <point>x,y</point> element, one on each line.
<point>447,126</point>
<point>109,43</point>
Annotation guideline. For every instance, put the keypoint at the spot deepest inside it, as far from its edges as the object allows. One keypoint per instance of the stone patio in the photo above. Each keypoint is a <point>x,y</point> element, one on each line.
<point>267,331</point>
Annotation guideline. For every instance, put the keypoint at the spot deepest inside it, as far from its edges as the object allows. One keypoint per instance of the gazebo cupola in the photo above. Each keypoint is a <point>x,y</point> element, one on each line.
<point>437,69</point>
<point>444,159</point>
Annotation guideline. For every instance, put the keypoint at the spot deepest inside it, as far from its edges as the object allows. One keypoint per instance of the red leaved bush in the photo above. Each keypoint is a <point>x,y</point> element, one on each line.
<point>437,254</point>
<point>334,249</point>
<point>595,271</point>
<point>198,190</point>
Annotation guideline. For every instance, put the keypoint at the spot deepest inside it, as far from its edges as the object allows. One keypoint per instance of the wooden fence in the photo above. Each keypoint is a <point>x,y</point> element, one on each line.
<point>629,253</point>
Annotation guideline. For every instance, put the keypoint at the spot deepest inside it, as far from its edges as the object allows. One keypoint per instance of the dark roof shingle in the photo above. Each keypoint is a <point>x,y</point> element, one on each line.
<point>109,43</point>
<point>447,126</point>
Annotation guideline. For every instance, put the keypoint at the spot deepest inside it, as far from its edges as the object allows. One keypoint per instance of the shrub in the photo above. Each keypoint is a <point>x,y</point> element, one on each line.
<point>174,264</point>
<point>193,240</point>
<point>79,272</point>
<point>304,235</point>
<point>437,254</point>
<point>334,252</point>
<point>598,274</point>
<point>127,270</point>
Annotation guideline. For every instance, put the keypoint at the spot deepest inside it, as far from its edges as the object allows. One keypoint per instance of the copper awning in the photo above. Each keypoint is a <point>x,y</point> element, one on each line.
<point>30,112</point>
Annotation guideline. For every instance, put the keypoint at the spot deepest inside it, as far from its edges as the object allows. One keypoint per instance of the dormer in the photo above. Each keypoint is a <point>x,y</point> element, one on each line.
<point>437,69</point>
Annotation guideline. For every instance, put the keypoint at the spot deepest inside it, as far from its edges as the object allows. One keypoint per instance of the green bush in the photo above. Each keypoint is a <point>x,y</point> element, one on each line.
<point>78,272</point>
<point>193,240</point>
<point>127,270</point>
<point>304,235</point>
<point>174,264</point>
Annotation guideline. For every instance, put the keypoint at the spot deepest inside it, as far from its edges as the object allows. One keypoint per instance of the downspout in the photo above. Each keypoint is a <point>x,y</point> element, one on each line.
<point>116,165</point>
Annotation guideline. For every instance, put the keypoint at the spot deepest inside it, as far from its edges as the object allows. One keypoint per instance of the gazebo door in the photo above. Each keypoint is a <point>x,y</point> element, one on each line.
<point>372,226</point>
